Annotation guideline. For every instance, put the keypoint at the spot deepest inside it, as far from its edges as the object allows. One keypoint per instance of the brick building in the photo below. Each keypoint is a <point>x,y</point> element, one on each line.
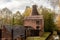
<point>18,32</point>
<point>34,21</point>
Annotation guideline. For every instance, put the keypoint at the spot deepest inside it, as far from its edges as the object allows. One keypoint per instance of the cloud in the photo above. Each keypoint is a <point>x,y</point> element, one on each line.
<point>15,5</point>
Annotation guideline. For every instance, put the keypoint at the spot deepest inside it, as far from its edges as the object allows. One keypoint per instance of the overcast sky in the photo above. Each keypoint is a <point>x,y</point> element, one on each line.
<point>20,5</point>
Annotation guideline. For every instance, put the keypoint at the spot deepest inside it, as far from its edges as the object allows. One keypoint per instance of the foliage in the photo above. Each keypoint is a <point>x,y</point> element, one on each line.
<point>17,19</point>
<point>58,22</point>
<point>27,12</point>
<point>48,20</point>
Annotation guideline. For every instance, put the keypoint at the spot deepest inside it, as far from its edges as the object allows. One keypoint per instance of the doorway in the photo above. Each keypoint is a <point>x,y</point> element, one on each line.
<point>34,32</point>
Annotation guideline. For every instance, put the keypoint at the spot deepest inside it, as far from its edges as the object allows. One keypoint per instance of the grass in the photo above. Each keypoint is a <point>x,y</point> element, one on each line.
<point>43,37</point>
<point>46,34</point>
<point>35,38</point>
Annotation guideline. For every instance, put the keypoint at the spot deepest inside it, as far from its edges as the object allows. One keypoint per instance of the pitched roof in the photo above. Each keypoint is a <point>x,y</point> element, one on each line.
<point>17,30</point>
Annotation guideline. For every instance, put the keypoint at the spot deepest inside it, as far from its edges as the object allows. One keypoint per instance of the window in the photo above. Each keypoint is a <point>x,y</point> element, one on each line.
<point>37,27</point>
<point>37,22</point>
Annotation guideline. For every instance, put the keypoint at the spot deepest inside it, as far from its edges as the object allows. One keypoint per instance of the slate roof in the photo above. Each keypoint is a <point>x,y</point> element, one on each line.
<point>18,30</point>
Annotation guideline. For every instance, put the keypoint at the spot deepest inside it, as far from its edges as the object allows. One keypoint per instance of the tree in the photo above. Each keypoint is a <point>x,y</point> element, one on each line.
<point>58,22</point>
<point>27,11</point>
<point>48,20</point>
<point>6,15</point>
<point>17,18</point>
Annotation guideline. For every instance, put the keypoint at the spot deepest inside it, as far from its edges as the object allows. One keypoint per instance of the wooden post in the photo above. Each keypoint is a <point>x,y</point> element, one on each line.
<point>0,34</point>
<point>12,33</point>
<point>12,28</point>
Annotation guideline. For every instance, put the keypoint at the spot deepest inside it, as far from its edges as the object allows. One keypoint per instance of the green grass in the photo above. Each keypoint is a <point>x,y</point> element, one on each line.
<point>43,37</point>
<point>35,38</point>
<point>46,34</point>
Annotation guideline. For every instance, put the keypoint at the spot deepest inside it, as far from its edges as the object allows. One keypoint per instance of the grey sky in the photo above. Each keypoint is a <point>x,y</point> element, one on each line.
<point>20,5</point>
